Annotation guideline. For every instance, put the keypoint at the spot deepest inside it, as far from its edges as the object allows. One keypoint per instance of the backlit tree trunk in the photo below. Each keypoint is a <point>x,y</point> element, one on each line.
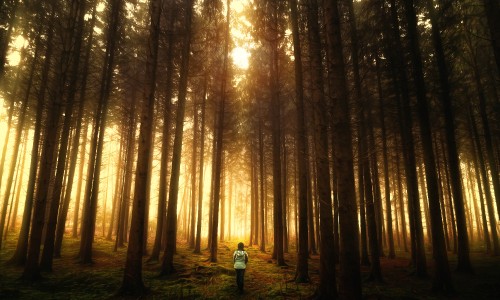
<point>74,41</point>
<point>442,279</point>
<point>217,180</point>
<point>197,248</point>
<point>302,271</point>
<point>97,142</point>
<point>171,233</point>
<point>31,268</point>
<point>132,278</point>
<point>350,272</point>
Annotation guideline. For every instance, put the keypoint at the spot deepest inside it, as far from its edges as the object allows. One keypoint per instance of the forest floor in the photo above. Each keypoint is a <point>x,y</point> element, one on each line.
<point>196,278</point>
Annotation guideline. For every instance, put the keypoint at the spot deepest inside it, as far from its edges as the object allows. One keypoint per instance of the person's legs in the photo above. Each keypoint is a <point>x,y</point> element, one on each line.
<point>242,279</point>
<point>239,278</point>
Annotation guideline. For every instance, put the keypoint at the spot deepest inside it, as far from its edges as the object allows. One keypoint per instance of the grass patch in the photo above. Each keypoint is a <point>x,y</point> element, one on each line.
<point>197,278</point>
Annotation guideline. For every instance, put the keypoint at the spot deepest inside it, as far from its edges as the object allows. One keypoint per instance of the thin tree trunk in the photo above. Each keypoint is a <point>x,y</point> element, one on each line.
<point>449,197</point>
<point>401,204</point>
<point>19,182</point>
<point>387,187</point>
<point>262,247</point>
<point>193,176</point>
<point>486,183</point>
<point>15,153</point>
<point>364,259</point>
<point>302,269</point>
<point>80,180</point>
<point>197,248</point>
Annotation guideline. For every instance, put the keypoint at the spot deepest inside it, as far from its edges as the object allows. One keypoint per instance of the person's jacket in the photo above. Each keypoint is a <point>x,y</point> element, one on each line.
<point>240,259</point>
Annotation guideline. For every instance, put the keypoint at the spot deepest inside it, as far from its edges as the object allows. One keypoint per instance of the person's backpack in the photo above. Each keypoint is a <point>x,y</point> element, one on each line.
<point>240,256</point>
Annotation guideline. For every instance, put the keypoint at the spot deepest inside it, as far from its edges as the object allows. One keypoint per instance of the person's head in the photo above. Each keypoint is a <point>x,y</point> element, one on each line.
<point>240,246</point>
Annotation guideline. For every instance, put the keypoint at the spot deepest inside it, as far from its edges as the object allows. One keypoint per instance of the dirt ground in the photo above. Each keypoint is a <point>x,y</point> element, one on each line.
<point>196,278</point>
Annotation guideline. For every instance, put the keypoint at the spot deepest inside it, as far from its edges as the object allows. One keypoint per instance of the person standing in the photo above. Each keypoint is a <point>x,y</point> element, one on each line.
<point>240,260</point>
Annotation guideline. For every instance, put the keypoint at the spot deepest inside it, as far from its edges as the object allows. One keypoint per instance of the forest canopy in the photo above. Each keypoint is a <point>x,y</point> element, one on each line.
<point>338,139</point>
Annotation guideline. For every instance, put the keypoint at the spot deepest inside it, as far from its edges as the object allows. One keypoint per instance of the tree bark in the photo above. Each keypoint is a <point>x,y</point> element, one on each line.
<point>262,243</point>
<point>408,143</point>
<point>492,11</point>
<point>168,257</point>
<point>276,135</point>
<point>97,142</point>
<point>132,278</point>
<point>442,279</point>
<point>61,222</point>
<point>197,248</point>
<point>387,186</point>
<point>302,269</point>
<point>464,263</point>
<point>31,269</point>
<point>486,184</point>
<point>74,41</point>
<point>350,271</point>
<point>17,142</point>
<point>217,180</point>
<point>193,175</point>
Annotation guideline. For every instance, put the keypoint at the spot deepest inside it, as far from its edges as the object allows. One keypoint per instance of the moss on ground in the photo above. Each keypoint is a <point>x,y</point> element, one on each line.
<point>197,278</point>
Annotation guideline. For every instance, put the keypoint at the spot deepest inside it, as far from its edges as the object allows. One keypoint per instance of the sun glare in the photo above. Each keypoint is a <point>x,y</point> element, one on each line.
<point>240,57</point>
<point>14,56</point>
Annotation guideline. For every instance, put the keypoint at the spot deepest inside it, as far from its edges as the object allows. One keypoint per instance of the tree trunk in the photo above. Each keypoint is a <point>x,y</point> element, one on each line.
<point>15,149</point>
<point>364,259</point>
<point>75,36</point>
<point>5,35</point>
<point>350,271</point>
<point>130,129</point>
<point>406,124</point>
<point>275,115</point>
<point>197,248</point>
<point>464,263</point>
<point>310,200</point>
<point>486,183</point>
<point>61,222</point>
<point>492,11</point>
<point>302,269</point>
<point>132,278</point>
<point>401,204</point>
<point>97,143</point>
<point>19,182</point>
<point>80,181</point>
<point>165,142</point>
<point>448,197</point>
<point>193,176</point>
<point>31,268</point>
<point>387,187</point>
<point>217,180</point>
<point>442,279</point>
<point>168,257</point>
<point>19,256</point>
<point>262,243</point>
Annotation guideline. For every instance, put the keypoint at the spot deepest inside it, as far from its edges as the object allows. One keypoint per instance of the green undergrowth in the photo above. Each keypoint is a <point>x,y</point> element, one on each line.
<point>197,278</point>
